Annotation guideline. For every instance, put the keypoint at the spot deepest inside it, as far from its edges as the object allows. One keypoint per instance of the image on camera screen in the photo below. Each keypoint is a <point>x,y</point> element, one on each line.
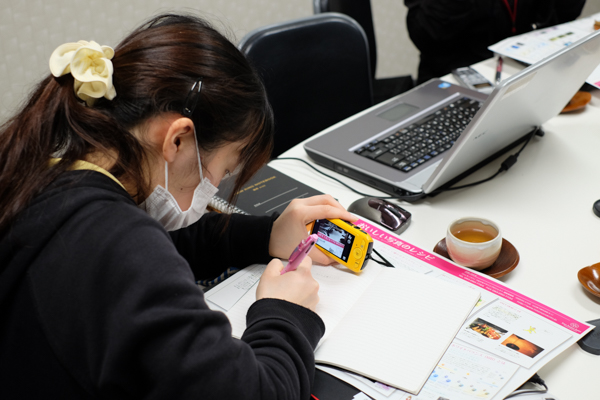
<point>333,239</point>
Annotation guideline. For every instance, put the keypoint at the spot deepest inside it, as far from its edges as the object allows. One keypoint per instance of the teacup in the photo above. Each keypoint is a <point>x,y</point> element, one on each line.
<point>473,242</point>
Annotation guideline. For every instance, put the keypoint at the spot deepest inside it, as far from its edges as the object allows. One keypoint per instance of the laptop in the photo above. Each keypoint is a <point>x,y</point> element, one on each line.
<point>430,137</point>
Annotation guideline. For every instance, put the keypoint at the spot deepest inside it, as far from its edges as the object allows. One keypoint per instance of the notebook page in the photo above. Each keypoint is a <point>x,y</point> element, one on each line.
<point>399,329</point>
<point>339,288</point>
<point>237,313</point>
<point>226,294</point>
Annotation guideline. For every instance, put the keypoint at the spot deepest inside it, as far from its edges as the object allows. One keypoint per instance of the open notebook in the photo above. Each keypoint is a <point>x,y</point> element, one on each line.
<point>387,324</point>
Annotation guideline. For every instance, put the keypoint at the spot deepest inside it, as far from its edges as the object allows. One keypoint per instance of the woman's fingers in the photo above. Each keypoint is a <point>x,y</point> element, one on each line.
<point>297,286</point>
<point>290,228</point>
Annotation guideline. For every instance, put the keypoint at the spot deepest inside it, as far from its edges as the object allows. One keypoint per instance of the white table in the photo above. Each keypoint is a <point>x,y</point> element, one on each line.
<point>543,205</point>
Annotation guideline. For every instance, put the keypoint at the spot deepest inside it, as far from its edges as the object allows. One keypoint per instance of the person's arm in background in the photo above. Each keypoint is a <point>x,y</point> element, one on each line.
<point>539,14</point>
<point>448,33</point>
<point>441,20</point>
<point>568,10</point>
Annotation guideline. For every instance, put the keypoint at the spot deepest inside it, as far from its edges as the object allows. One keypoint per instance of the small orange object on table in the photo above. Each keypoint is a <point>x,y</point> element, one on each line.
<point>578,101</point>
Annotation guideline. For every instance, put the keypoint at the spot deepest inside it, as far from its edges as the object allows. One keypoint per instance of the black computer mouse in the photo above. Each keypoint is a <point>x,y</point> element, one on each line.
<point>596,208</point>
<point>390,215</point>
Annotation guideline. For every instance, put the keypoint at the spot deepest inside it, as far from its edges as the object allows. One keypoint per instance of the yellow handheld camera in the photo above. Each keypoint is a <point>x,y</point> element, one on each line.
<point>346,243</point>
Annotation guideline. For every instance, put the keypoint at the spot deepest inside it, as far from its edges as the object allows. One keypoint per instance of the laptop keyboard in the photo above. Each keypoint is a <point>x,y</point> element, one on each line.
<point>423,140</point>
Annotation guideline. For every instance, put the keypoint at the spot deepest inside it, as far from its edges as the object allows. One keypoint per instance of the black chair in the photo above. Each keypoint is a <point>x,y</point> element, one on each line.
<point>360,10</point>
<point>316,72</point>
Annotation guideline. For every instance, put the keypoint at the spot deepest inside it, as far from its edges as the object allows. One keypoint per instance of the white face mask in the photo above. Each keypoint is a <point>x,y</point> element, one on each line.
<point>162,206</point>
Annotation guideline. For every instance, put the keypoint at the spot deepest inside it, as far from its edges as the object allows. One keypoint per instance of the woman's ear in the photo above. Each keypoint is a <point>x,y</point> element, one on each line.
<point>178,131</point>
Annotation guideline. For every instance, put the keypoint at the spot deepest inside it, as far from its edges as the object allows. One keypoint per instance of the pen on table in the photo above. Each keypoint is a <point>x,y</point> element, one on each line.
<point>499,70</point>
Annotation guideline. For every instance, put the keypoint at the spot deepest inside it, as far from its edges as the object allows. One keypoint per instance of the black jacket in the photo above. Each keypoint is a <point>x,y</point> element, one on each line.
<point>97,301</point>
<point>456,33</point>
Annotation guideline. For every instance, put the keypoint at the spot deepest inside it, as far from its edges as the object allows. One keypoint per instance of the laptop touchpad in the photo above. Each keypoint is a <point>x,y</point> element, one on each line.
<point>398,112</point>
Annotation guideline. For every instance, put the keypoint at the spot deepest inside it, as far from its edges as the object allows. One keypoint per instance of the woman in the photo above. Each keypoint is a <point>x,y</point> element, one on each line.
<point>105,175</point>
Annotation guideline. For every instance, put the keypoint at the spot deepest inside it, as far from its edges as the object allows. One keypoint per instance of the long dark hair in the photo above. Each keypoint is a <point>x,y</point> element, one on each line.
<point>154,69</point>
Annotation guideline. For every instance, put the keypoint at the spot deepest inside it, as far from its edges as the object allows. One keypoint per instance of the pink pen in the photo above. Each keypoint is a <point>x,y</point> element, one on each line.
<point>499,70</point>
<point>299,253</point>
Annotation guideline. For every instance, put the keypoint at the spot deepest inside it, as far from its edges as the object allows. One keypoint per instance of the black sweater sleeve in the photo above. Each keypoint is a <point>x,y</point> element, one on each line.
<point>441,20</point>
<point>568,10</point>
<point>119,307</point>
<point>218,241</point>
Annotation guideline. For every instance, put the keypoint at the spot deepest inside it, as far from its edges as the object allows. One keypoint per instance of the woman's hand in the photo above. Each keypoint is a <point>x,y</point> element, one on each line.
<point>290,228</point>
<point>297,286</point>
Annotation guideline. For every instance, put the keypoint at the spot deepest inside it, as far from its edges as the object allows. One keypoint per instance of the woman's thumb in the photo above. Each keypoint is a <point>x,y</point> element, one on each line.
<point>274,268</point>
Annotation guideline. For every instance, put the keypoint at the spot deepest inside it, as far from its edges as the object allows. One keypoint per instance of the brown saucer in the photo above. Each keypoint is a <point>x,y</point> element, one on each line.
<point>506,262</point>
<point>589,277</point>
<point>578,101</point>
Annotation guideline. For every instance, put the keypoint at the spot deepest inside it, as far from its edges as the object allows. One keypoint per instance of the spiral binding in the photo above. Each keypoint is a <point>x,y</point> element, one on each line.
<point>209,283</point>
<point>222,206</point>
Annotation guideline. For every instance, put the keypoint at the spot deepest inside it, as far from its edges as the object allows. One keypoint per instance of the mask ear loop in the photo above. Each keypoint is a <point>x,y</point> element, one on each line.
<point>199,163</point>
<point>198,155</point>
<point>189,105</point>
<point>166,175</point>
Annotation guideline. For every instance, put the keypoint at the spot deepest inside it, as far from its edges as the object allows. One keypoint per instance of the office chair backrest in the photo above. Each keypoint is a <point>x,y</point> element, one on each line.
<point>316,73</point>
<point>360,11</point>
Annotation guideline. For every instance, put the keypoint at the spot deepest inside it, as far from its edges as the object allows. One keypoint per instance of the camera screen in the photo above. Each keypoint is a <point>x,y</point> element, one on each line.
<point>333,239</point>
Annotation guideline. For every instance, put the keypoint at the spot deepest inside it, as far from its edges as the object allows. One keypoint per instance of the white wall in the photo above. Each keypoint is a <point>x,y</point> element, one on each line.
<point>591,7</point>
<point>31,29</point>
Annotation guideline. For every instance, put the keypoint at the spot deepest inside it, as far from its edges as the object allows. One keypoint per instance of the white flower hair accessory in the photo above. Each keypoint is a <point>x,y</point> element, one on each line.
<point>90,65</point>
